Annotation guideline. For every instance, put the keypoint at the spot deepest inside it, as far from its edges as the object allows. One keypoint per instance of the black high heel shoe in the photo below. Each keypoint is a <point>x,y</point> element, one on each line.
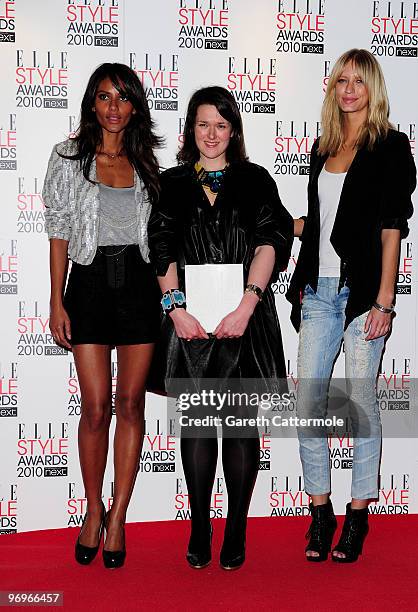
<point>321,531</point>
<point>233,555</point>
<point>202,558</point>
<point>85,554</point>
<point>231,563</point>
<point>113,559</point>
<point>355,529</point>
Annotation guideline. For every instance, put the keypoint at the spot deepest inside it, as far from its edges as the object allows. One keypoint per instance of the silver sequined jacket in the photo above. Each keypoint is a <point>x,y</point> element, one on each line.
<point>72,206</point>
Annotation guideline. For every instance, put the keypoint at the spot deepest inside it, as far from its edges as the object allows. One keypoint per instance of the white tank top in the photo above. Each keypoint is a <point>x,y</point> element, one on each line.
<point>330,185</point>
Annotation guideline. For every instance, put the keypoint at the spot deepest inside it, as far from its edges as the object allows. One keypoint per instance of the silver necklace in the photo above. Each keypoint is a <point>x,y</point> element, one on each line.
<point>128,222</point>
<point>112,254</point>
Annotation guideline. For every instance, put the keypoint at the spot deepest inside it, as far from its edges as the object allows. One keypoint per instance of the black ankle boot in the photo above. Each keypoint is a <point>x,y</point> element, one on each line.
<point>321,531</point>
<point>202,557</point>
<point>355,529</point>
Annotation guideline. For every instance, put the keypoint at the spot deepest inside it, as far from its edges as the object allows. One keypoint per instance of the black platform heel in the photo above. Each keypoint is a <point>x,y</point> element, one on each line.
<point>355,529</point>
<point>112,559</point>
<point>202,558</point>
<point>85,554</point>
<point>321,531</point>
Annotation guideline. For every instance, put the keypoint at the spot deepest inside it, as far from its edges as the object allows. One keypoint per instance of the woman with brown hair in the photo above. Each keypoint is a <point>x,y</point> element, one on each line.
<point>218,208</point>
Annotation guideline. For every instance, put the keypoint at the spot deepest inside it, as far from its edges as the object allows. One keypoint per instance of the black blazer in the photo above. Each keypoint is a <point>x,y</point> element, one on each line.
<point>376,195</point>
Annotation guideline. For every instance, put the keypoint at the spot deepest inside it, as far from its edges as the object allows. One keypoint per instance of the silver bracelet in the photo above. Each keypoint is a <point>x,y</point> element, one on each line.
<point>383,309</point>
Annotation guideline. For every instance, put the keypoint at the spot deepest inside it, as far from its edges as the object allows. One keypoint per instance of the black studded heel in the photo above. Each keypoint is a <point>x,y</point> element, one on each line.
<point>355,529</point>
<point>321,531</point>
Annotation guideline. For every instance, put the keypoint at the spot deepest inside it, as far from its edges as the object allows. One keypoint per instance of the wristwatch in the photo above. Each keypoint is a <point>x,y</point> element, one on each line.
<point>250,288</point>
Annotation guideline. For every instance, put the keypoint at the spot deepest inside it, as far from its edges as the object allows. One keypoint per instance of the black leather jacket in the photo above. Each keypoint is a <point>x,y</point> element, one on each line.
<point>185,228</point>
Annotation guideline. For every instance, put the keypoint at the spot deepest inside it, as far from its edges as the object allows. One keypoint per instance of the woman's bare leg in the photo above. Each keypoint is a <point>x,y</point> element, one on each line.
<point>93,369</point>
<point>133,366</point>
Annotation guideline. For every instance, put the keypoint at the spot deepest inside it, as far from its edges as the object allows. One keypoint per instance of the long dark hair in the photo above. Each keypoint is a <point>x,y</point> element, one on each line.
<point>139,139</point>
<point>227,107</point>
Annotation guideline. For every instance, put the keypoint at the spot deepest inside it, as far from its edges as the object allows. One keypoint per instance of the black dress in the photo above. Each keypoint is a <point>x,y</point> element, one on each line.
<point>185,228</point>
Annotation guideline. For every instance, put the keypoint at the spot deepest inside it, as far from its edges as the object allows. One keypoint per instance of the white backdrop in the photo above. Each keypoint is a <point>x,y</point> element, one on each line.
<point>275,57</point>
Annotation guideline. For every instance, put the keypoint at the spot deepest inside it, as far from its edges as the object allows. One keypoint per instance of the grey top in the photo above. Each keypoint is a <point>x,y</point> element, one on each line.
<point>72,206</point>
<point>118,223</point>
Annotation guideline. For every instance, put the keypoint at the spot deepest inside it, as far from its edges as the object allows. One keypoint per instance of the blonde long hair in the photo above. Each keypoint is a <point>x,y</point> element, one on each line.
<point>377,123</point>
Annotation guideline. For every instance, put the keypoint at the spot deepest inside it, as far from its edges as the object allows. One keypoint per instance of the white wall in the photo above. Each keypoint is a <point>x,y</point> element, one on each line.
<point>164,40</point>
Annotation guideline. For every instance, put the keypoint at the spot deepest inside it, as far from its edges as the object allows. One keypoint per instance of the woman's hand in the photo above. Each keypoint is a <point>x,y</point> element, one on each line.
<point>235,323</point>
<point>298,225</point>
<point>59,324</point>
<point>377,324</point>
<point>186,326</point>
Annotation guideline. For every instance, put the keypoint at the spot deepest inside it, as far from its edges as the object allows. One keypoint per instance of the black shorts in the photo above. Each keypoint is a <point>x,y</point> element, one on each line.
<point>115,300</point>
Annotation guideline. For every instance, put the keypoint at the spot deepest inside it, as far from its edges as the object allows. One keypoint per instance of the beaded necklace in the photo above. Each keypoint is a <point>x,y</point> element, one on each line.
<point>211,180</point>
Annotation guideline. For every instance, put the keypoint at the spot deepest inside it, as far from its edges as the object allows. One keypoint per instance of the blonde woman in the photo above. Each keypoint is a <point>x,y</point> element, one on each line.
<point>361,178</point>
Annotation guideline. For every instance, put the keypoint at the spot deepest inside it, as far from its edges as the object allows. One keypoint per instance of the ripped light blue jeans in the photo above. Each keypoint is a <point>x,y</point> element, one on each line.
<point>320,337</point>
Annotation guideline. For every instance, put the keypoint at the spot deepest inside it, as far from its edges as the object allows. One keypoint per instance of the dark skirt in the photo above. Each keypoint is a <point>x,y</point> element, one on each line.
<point>115,300</point>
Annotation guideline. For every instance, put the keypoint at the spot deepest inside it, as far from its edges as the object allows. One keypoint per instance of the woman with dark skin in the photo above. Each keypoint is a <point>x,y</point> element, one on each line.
<point>98,192</point>
<point>218,208</point>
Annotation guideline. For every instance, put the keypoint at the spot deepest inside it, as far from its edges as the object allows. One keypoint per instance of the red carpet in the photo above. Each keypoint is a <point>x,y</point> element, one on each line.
<point>274,577</point>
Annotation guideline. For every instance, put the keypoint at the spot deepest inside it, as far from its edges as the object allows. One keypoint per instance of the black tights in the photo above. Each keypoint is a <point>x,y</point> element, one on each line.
<point>240,459</point>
